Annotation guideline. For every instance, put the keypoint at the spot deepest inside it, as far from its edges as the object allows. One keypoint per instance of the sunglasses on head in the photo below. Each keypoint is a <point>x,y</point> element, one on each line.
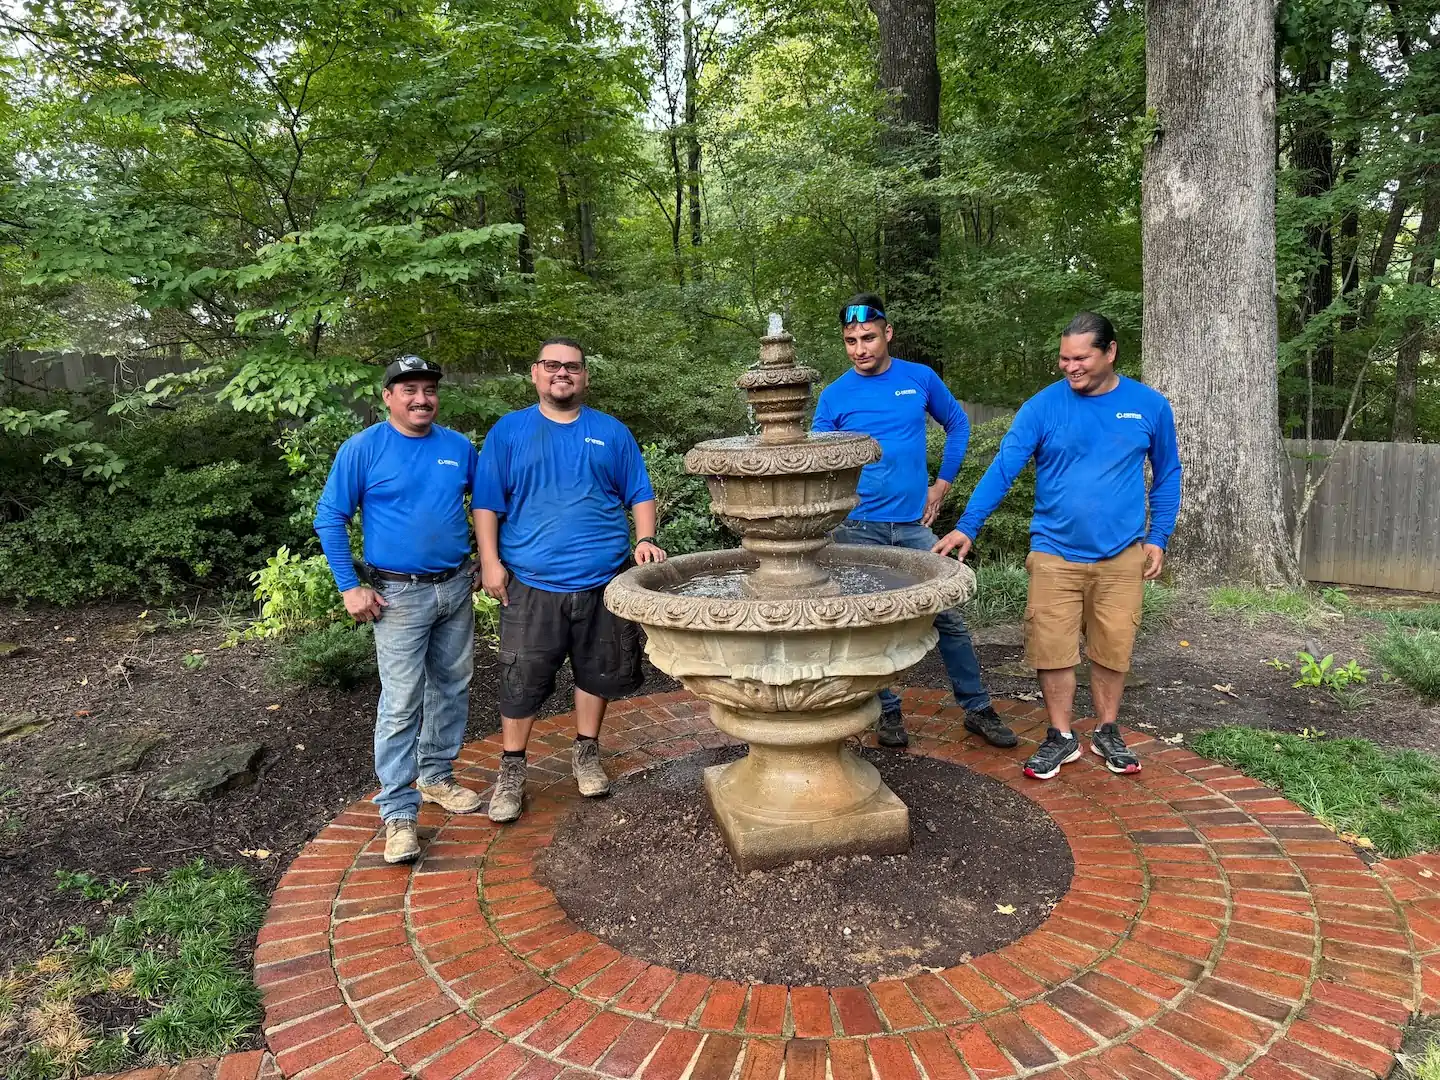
<point>574,367</point>
<point>861,313</point>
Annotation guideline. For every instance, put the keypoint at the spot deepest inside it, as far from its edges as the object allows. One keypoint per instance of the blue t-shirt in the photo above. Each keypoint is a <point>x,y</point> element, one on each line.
<point>411,490</point>
<point>1090,454</point>
<point>561,491</point>
<point>891,408</point>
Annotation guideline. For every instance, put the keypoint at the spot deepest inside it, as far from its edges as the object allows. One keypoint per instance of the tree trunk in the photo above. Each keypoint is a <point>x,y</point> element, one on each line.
<point>677,175</point>
<point>1412,344</point>
<point>692,121</point>
<point>524,252</point>
<point>1210,336</point>
<point>586,214</point>
<point>1314,158</point>
<point>910,74</point>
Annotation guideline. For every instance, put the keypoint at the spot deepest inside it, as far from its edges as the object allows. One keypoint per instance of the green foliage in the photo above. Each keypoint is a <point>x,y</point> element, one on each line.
<point>1300,607</point>
<point>337,654</point>
<point>1341,683</point>
<point>296,593</point>
<point>172,956</point>
<point>205,495</point>
<point>1391,798</point>
<point>685,522</point>
<point>1001,590</point>
<point>89,886</point>
<point>1420,618</point>
<point>1412,656</point>
<point>1005,537</point>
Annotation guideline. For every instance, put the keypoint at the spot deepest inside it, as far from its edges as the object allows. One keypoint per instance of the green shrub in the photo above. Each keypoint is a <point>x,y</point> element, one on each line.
<point>1412,656</point>
<point>296,593</point>
<point>339,655</point>
<point>1005,536</point>
<point>205,494</point>
<point>685,522</point>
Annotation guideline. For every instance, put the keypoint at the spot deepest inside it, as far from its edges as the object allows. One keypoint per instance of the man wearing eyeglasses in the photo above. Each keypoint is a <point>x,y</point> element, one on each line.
<point>409,476</point>
<point>890,400</point>
<point>551,494</point>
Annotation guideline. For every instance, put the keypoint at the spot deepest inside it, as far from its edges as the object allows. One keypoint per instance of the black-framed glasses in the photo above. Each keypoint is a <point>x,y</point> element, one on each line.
<point>574,367</point>
<point>861,313</point>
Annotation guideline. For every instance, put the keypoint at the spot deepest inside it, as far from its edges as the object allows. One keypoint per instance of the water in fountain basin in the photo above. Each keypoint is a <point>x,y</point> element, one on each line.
<point>853,581</point>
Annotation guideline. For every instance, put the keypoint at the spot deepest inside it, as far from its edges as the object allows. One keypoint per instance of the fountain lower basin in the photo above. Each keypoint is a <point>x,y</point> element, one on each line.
<point>794,677</point>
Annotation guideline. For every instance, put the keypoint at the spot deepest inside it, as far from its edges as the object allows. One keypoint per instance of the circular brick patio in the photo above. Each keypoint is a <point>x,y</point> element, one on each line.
<point>1212,929</point>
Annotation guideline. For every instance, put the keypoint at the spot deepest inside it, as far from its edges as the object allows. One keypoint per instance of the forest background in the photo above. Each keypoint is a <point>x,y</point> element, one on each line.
<point>280,196</point>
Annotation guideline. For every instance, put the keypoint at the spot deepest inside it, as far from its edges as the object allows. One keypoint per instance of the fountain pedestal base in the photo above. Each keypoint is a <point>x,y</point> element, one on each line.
<point>800,793</point>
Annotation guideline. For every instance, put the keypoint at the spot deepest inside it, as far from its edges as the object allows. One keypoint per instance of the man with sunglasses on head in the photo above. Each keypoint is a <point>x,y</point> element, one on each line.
<point>890,400</point>
<point>551,494</point>
<point>409,476</point>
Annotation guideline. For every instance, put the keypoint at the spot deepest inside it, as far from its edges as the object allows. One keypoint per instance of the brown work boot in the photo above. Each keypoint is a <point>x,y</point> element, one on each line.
<point>451,796</point>
<point>589,773</point>
<point>401,843</point>
<point>509,793</point>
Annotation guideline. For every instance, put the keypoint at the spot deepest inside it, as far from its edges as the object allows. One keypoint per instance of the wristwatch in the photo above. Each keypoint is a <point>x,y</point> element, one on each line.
<point>647,540</point>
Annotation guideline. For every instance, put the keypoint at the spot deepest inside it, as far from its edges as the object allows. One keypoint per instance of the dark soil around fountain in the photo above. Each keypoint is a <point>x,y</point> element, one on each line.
<point>646,871</point>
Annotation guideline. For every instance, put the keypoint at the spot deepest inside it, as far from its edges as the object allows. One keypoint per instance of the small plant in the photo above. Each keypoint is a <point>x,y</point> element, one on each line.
<point>339,655</point>
<point>487,615</point>
<point>297,593</point>
<point>1278,664</point>
<point>194,661</point>
<point>89,886</point>
<point>1412,656</point>
<point>1312,733</point>
<point>1341,683</point>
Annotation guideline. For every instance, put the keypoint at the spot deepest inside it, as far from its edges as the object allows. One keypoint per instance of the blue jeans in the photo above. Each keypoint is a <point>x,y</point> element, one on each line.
<point>425,648</point>
<point>956,649</point>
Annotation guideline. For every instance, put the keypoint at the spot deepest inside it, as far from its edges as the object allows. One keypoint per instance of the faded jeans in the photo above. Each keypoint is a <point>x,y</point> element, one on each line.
<point>956,649</point>
<point>425,648</point>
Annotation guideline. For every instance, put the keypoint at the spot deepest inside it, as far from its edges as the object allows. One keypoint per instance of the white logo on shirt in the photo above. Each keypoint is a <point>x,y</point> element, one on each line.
<point>1128,416</point>
<point>903,393</point>
<point>446,461</point>
<point>594,442</point>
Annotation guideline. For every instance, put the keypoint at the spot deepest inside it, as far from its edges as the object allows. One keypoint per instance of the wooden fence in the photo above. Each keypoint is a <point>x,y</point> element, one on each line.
<point>1375,521</point>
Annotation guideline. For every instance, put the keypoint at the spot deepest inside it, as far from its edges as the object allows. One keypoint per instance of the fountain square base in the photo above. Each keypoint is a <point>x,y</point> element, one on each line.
<point>879,825</point>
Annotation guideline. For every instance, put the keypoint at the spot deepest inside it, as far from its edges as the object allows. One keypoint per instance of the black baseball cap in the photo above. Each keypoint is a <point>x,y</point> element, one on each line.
<point>406,367</point>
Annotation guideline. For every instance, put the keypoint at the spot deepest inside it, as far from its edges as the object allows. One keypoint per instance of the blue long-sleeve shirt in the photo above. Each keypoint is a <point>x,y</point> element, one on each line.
<point>412,493</point>
<point>1090,454</point>
<point>891,408</point>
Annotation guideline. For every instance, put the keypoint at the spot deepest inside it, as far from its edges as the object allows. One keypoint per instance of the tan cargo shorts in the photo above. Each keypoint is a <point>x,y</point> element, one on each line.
<point>1100,600</point>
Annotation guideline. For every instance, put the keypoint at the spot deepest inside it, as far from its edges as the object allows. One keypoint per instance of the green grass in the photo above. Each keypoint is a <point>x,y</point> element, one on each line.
<point>1304,607</point>
<point>1421,618</point>
<point>1412,656</point>
<point>1352,785</point>
<point>174,951</point>
<point>1001,589</point>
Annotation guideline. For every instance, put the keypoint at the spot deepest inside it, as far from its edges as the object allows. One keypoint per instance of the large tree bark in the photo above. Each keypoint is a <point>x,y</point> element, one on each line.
<point>1412,343</point>
<point>524,252</point>
<point>692,119</point>
<point>910,74</point>
<point>1208,224</point>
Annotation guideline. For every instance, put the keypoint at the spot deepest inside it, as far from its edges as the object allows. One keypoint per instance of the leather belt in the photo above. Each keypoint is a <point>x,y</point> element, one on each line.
<point>414,579</point>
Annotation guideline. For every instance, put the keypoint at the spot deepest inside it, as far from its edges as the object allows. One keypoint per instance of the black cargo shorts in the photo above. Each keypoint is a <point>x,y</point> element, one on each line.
<point>539,629</point>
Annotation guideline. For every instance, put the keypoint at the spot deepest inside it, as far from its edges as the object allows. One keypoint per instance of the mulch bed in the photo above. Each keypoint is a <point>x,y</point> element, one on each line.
<point>646,870</point>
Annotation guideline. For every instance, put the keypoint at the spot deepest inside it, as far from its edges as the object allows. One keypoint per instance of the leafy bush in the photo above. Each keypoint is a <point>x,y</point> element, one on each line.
<point>338,654</point>
<point>1006,534</point>
<point>205,493</point>
<point>1413,657</point>
<point>296,592</point>
<point>685,522</point>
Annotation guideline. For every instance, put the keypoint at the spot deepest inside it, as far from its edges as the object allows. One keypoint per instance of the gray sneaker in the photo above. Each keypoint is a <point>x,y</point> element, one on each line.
<point>451,796</point>
<point>589,773</point>
<point>890,729</point>
<point>401,843</point>
<point>509,791</point>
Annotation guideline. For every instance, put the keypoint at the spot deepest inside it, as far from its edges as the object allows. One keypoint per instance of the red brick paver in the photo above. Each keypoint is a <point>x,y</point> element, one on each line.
<point>1211,931</point>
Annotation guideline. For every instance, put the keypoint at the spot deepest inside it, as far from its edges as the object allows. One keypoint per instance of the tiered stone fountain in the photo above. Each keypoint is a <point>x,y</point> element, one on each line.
<point>790,637</point>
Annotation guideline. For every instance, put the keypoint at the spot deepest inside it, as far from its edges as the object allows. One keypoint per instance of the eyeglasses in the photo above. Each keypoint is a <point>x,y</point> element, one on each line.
<point>574,367</point>
<point>860,313</point>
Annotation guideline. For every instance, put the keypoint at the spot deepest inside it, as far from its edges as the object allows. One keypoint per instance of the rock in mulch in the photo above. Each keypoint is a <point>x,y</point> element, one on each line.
<point>103,755</point>
<point>12,648</point>
<point>17,725</point>
<point>210,773</point>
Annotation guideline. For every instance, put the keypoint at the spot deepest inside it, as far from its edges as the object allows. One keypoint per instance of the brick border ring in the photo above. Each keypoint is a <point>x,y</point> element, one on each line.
<point>1212,930</point>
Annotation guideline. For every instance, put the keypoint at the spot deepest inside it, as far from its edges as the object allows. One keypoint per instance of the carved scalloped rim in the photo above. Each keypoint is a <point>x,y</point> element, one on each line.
<point>629,597</point>
<point>785,459</point>
<point>778,376</point>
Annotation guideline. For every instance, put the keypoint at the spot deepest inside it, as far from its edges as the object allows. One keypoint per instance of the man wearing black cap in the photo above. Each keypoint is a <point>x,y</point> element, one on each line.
<point>410,477</point>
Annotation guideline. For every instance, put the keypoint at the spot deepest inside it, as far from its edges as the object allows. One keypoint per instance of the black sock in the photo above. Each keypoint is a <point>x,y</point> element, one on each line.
<point>514,754</point>
<point>587,738</point>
